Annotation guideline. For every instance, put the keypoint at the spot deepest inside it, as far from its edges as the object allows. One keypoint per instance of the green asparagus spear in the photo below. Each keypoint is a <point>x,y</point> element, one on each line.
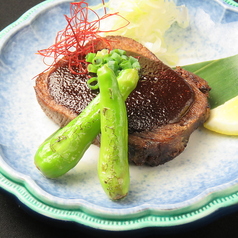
<point>62,150</point>
<point>113,167</point>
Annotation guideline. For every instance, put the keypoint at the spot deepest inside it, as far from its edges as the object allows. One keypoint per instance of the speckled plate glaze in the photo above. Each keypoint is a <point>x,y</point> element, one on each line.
<point>194,185</point>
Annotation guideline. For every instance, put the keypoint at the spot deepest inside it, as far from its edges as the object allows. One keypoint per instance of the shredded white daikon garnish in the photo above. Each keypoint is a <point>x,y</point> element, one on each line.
<point>149,21</point>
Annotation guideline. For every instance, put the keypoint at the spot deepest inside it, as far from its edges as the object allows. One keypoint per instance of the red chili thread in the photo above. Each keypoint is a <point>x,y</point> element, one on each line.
<point>73,42</point>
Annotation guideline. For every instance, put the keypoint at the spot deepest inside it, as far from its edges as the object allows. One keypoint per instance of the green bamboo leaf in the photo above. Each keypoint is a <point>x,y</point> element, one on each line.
<point>222,76</point>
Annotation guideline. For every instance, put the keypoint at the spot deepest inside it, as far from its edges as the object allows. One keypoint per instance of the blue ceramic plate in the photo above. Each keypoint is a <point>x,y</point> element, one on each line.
<point>201,180</point>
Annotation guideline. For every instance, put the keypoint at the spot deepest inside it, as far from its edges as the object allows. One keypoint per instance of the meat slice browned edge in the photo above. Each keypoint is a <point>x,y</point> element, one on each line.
<point>153,147</point>
<point>166,142</point>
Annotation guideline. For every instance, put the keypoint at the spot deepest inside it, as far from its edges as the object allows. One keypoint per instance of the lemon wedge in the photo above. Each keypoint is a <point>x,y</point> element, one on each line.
<point>224,118</point>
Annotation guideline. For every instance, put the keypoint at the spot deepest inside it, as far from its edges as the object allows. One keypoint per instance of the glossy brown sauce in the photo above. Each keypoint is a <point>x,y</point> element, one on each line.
<point>70,90</point>
<point>161,96</point>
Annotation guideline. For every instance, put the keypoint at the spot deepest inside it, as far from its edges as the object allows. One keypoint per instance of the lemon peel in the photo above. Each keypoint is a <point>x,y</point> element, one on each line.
<point>224,118</point>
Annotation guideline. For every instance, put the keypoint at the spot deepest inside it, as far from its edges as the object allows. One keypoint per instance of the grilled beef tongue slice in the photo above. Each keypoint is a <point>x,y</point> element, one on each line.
<point>161,96</point>
<point>163,110</point>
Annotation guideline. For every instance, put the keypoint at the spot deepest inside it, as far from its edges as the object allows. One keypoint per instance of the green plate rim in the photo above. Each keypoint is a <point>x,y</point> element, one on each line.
<point>159,219</point>
<point>231,2</point>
